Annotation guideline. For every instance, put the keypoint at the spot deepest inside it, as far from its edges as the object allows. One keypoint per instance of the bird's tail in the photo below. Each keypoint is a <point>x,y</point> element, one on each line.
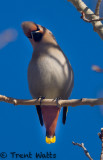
<point>50,117</point>
<point>50,139</point>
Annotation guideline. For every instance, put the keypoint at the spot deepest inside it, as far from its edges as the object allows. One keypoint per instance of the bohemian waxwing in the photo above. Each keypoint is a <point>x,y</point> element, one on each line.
<point>50,75</point>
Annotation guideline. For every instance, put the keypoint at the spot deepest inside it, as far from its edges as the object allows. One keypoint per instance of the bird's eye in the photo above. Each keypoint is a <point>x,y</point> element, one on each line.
<point>36,35</point>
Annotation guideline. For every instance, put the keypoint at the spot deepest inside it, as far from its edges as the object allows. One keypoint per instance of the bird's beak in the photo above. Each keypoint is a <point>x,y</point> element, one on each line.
<point>29,28</point>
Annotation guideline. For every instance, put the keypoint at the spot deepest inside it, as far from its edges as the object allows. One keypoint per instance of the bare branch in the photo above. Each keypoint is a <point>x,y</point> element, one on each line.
<point>89,21</point>
<point>49,102</point>
<point>82,7</point>
<point>101,137</point>
<point>85,150</point>
<point>97,7</point>
<point>97,68</point>
<point>7,36</point>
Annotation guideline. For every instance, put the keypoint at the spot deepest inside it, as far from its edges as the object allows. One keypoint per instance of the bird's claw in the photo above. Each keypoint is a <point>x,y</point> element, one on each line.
<point>57,99</point>
<point>41,98</point>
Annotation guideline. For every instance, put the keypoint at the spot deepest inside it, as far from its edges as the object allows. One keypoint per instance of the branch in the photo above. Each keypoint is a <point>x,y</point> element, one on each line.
<point>101,137</point>
<point>49,102</point>
<point>7,36</point>
<point>97,68</point>
<point>85,150</point>
<point>89,21</point>
<point>81,7</point>
<point>97,7</point>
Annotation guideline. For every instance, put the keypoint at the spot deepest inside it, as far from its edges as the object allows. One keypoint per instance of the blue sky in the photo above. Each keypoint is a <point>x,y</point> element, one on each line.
<point>20,129</point>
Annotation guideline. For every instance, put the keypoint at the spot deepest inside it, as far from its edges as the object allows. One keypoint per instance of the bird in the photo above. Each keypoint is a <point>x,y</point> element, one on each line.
<point>50,75</point>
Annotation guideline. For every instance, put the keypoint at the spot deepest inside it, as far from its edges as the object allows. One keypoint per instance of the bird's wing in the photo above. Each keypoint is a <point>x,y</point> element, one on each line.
<point>68,92</point>
<point>65,110</point>
<point>38,108</point>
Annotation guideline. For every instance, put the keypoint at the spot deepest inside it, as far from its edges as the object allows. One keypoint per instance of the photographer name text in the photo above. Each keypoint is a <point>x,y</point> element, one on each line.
<point>29,155</point>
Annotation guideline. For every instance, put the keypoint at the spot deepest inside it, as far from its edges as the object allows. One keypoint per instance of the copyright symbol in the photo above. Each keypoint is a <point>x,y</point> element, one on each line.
<point>3,155</point>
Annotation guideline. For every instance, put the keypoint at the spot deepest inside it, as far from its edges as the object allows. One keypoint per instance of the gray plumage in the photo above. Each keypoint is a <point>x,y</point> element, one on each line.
<point>49,73</point>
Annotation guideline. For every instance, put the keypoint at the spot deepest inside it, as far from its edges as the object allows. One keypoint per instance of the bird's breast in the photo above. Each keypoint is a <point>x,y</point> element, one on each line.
<point>49,75</point>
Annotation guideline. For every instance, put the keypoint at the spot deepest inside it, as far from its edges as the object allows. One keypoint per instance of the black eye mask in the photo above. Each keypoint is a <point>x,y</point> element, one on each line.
<point>36,35</point>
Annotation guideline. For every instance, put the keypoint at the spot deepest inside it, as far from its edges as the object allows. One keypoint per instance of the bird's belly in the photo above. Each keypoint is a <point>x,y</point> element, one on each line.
<point>48,77</point>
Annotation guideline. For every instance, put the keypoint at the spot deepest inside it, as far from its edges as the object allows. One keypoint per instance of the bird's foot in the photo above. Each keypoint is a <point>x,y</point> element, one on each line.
<point>57,99</point>
<point>41,98</point>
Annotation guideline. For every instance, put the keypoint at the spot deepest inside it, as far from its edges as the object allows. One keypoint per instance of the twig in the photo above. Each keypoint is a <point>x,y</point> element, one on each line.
<point>97,68</point>
<point>101,137</point>
<point>85,150</point>
<point>49,102</point>
<point>89,21</point>
<point>89,14</point>
<point>98,7</point>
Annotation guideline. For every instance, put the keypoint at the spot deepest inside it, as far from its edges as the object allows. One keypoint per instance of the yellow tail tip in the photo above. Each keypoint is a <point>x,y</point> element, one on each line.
<point>50,140</point>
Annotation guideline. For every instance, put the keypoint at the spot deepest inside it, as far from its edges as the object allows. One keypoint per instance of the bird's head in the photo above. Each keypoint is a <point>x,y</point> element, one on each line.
<point>37,34</point>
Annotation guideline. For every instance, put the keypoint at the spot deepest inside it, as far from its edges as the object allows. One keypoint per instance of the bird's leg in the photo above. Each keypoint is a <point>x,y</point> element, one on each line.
<point>57,99</point>
<point>41,98</point>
